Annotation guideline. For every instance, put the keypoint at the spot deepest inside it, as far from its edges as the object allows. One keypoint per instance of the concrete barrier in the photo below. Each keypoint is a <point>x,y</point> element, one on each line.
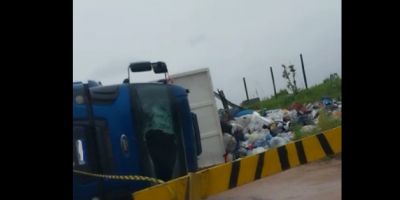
<point>207,182</point>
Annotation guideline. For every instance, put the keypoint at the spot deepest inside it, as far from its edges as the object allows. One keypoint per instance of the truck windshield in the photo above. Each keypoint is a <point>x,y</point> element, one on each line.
<point>157,110</point>
<point>159,129</point>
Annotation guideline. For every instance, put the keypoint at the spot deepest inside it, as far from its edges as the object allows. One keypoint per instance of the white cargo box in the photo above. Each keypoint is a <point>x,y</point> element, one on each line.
<point>203,104</point>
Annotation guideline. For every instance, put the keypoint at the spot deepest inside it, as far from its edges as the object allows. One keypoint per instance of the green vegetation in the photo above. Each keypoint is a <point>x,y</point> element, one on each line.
<point>325,122</point>
<point>331,87</point>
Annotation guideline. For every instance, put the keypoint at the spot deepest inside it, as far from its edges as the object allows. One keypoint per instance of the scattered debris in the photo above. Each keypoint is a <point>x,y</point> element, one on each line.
<point>249,132</point>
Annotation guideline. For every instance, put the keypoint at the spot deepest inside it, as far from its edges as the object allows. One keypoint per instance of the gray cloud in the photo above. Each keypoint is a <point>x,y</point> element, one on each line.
<point>197,40</point>
<point>234,38</point>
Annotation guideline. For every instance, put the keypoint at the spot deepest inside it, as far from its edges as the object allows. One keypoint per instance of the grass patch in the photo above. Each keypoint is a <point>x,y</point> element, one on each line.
<point>330,87</point>
<point>325,122</point>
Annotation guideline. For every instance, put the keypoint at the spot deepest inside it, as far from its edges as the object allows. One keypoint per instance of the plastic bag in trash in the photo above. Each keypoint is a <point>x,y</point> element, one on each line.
<point>244,144</point>
<point>264,131</point>
<point>287,135</point>
<point>244,112</point>
<point>229,142</point>
<point>275,131</point>
<point>268,137</point>
<point>253,122</point>
<point>327,101</point>
<point>278,115</point>
<point>258,122</point>
<point>286,126</point>
<point>255,136</point>
<point>237,131</point>
<point>316,120</point>
<point>292,115</point>
<point>308,128</point>
<point>242,152</point>
<point>277,142</point>
<point>260,142</point>
<point>314,113</point>
<point>246,136</point>
<point>243,121</point>
<point>309,106</point>
<point>280,127</point>
<point>255,151</point>
<point>236,127</point>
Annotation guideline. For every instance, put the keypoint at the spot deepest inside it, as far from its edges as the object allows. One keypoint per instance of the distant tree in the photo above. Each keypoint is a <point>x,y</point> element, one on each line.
<point>334,76</point>
<point>282,92</point>
<point>289,72</point>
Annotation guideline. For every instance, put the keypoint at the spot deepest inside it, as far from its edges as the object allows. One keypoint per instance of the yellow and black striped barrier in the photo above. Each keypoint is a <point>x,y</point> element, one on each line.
<point>207,182</point>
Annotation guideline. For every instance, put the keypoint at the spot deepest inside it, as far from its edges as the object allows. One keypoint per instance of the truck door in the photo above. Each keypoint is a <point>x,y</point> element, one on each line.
<point>111,104</point>
<point>159,131</point>
<point>85,159</point>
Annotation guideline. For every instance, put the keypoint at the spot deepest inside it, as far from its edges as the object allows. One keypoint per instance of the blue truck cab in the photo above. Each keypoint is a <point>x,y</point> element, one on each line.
<point>142,129</point>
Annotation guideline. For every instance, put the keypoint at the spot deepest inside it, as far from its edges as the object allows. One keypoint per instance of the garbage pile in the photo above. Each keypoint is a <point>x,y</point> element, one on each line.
<point>248,132</point>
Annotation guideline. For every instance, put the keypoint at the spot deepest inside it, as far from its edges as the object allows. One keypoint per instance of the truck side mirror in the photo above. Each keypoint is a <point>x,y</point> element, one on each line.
<point>140,66</point>
<point>159,67</point>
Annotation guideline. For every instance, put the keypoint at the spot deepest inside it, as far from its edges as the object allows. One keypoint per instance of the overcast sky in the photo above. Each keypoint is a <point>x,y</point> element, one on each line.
<point>233,38</point>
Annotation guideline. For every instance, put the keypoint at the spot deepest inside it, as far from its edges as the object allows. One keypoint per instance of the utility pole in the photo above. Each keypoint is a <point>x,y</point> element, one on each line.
<point>304,72</point>
<point>273,80</point>
<point>245,88</point>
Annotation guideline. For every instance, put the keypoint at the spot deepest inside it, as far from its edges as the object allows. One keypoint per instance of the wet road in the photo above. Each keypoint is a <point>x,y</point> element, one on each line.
<point>317,180</point>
